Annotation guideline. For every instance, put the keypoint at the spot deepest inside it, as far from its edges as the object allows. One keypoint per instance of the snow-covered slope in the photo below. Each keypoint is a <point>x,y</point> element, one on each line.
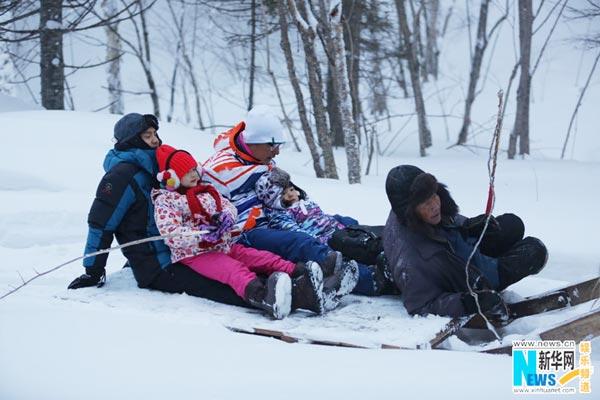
<point>122,342</point>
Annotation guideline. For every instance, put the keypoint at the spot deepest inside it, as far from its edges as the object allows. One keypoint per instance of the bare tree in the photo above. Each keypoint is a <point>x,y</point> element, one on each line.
<point>353,11</point>
<point>413,65</point>
<point>348,123</point>
<point>520,131</point>
<point>303,17</point>
<point>252,54</point>
<point>481,43</point>
<point>113,56</point>
<point>51,56</point>
<point>431,11</point>
<point>302,113</point>
<point>187,58</point>
<point>56,18</point>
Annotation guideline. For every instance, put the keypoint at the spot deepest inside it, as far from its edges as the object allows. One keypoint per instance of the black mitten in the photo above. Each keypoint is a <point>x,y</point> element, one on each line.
<point>488,299</point>
<point>474,226</point>
<point>92,277</point>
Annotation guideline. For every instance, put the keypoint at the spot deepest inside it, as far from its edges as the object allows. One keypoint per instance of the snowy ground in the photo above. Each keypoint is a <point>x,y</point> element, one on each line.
<point>121,342</point>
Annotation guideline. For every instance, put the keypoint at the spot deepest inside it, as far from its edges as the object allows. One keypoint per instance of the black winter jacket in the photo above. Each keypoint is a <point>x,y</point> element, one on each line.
<point>123,209</point>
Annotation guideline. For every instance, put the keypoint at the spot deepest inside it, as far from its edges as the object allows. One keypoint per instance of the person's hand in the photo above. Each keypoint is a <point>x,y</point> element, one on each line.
<point>212,234</point>
<point>474,226</point>
<point>488,300</point>
<point>92,277</point>
<point>225,222</point>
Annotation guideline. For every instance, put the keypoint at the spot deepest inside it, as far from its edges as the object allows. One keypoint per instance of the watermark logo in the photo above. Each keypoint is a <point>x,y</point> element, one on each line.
<point>551,367</point>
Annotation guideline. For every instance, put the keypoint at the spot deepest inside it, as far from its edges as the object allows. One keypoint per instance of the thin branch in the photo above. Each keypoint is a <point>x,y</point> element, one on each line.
<point>587,83</point>
<point>133,243</point>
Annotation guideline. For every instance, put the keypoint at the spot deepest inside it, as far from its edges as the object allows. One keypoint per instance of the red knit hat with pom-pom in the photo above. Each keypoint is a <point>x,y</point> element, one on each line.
<point>173,164</point>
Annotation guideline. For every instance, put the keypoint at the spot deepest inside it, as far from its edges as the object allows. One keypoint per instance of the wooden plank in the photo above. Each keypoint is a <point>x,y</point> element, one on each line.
<point>450,329</point>
<point>578,329</point>
<point>568,296</point>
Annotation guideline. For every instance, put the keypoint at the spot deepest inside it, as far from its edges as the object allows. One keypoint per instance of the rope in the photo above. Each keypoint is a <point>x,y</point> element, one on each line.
<point>492,163</point>
<point>132,243</point>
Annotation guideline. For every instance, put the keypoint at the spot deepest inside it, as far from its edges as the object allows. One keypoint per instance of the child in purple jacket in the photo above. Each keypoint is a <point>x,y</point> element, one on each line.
<point>289,208</point>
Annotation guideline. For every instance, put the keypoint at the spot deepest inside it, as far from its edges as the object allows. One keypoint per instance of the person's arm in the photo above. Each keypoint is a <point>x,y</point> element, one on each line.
<point>283,220</point>
<point>422,296</point>
<point>114,197</point>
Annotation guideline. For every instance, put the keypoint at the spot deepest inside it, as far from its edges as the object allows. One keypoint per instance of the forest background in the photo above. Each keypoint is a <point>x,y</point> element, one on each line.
<point>376,78</point>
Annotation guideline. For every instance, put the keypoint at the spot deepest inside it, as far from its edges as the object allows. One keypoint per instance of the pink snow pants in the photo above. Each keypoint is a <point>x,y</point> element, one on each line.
<point>239,267</point>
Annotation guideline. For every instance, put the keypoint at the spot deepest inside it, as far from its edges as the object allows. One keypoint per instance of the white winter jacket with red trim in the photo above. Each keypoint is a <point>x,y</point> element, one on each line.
<point>234,174</point>
<point>172,214</point>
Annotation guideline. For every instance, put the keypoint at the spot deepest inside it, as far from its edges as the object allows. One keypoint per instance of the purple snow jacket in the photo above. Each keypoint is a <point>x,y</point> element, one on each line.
<point>304,216</point>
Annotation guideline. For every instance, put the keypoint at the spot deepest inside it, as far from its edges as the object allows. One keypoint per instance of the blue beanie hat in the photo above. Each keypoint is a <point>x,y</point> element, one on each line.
<point>130,126</point>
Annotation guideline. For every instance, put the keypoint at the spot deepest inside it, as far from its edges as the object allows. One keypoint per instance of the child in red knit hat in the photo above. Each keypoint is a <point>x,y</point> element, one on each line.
<point>184,205</point>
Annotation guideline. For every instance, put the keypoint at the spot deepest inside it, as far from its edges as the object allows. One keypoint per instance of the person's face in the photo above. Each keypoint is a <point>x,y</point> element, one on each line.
<point>429,210</point>
<point>290,196</point>
<point>264,152</point>
<point>190,179</point>
<point>150,137</point>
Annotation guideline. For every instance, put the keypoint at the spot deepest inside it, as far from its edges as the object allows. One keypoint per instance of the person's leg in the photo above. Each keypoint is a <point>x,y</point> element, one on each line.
<point>366,283</point>
<point>289,245</point>
<point>179,278</point>
<point>261,261</point>
<point>510,233</point>
<point>222,268</point>
<point>345,220</point>
<point>526,258</point>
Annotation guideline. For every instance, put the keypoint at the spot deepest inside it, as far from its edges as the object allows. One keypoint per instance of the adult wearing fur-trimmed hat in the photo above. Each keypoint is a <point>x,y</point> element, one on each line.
<point>123,210</point>
<point>427,244</point>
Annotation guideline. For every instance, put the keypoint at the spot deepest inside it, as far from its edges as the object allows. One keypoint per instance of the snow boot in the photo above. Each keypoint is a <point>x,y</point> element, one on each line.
<point>274,297</point>
<point>298,270</point>
<point>332,263</point>
<point>307,290</point>
<point>346,279</point>
<point>382,277</point>
<point>338,285</point>
<point>527,257</point>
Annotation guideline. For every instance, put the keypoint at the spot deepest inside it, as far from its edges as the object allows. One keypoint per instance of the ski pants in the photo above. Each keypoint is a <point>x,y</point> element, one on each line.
<point>238,267</point>
<point>179,278</point>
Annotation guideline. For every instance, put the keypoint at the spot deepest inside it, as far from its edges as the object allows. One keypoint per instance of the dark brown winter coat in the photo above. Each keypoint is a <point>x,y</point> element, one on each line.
<point>429,274</point>
<point>430,277</point>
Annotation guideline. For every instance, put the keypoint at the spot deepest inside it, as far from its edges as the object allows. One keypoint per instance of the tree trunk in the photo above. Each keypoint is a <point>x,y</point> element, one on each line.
<point>287,51</point>
<point>521,129</point>
<point>432,11</point>
<point>146,61</point>
<point>413,65</point>
<point>315,85</point>
<point>113,55</point>
<point>333,108</point>
<point>348,123</point>
<point>252,54</point>
<point>52,68</point>
<point>480,46</point>
<point>352,13</point>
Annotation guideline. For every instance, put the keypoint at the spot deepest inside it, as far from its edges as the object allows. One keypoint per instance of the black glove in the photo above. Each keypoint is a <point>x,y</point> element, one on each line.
<point>488,300</point>
<point>474,226</point>
<point>92,277</point>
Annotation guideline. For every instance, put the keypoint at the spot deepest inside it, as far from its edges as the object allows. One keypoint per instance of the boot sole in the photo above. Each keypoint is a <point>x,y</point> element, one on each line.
<point>349,278</point>
<point>315,276</point>
<point>280,285</point>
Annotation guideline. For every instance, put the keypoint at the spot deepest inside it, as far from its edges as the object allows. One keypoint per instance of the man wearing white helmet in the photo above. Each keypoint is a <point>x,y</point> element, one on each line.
<point>242,155</point>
